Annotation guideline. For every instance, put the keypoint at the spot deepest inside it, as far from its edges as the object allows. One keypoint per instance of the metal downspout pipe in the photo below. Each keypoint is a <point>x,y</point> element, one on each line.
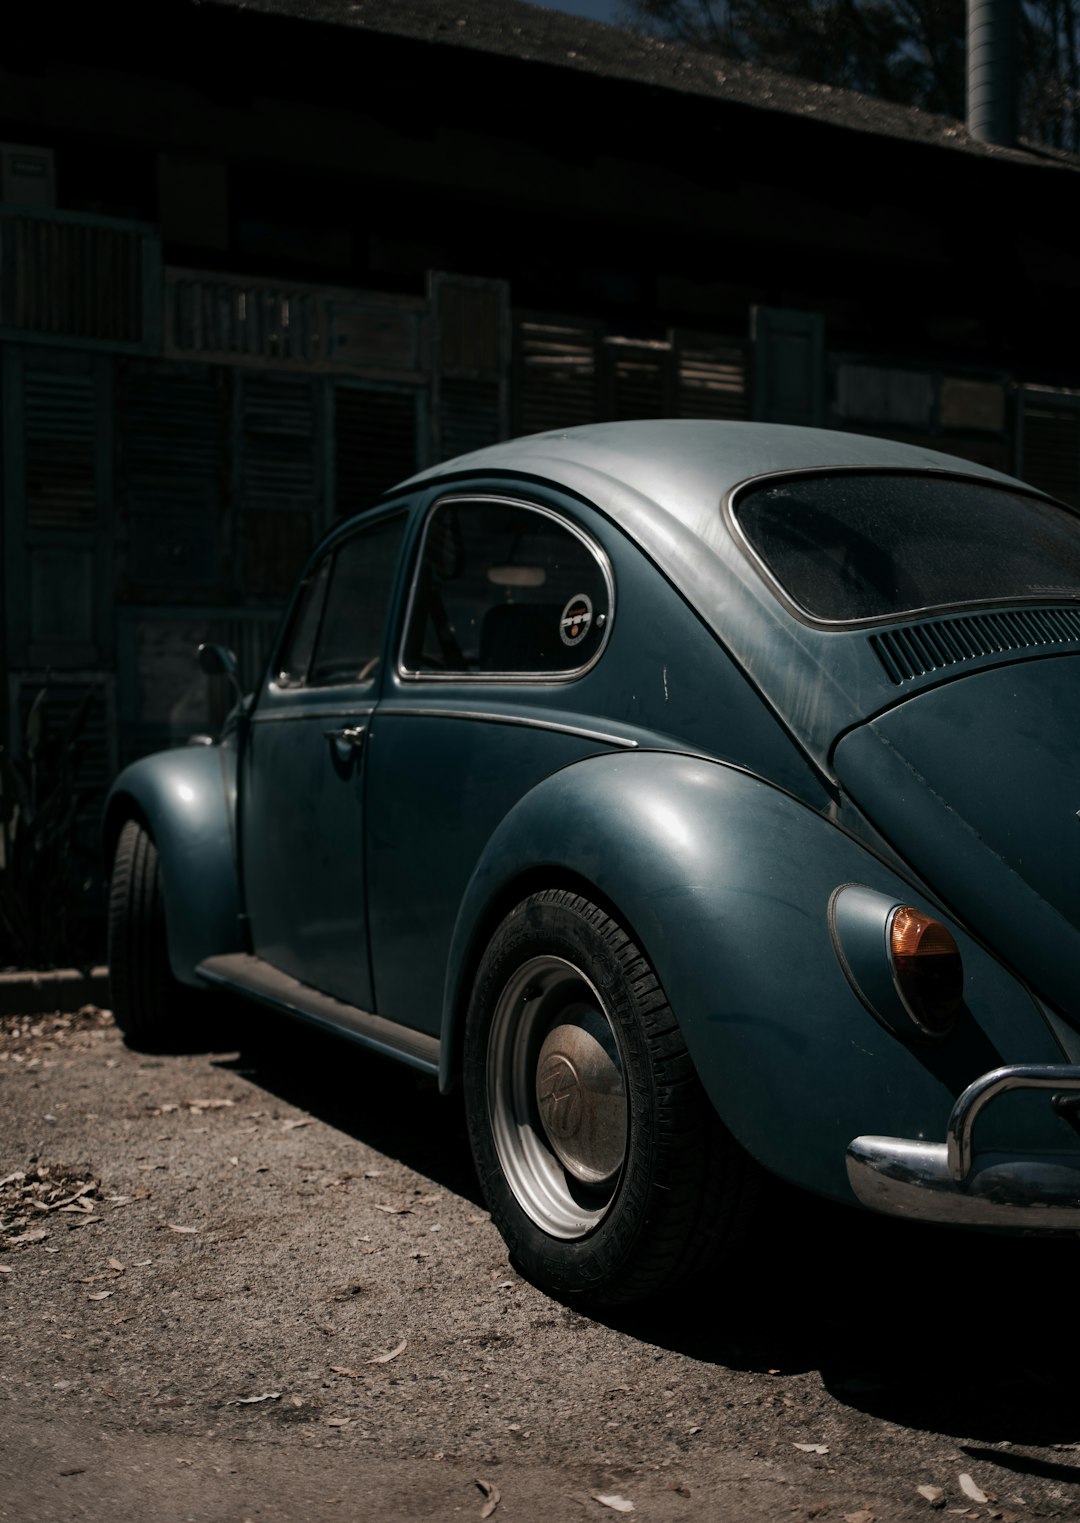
<point>992,71</point>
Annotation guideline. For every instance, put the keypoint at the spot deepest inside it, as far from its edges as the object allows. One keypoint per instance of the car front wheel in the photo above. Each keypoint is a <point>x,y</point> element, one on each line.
<point>602,1161</point>
<point>145,995</point>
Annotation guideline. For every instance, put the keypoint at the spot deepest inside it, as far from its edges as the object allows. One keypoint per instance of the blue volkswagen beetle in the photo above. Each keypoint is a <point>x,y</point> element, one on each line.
<point>703,798</point>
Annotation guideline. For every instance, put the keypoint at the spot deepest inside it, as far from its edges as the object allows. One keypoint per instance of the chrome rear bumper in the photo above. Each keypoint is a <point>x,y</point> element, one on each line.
<point>939,1181</point>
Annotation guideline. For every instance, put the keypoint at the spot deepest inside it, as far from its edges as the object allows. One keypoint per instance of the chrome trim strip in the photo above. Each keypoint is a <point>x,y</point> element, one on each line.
<point>939,1182</point>
<point>519,719</point>
<point>260,981</point>
<point>313,711</point>
<point>532,678</point>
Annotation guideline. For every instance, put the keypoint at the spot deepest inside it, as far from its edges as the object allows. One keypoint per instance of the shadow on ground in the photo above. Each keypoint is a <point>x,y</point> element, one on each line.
<point>381,1103</point>
<point>952,1332</point>
<point>960,1333</point>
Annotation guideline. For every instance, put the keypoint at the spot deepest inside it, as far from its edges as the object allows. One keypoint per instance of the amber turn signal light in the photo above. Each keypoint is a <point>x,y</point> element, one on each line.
<point>928,971</point>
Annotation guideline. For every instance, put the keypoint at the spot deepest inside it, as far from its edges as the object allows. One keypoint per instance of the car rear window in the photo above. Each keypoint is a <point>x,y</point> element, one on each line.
<point>873,545</point>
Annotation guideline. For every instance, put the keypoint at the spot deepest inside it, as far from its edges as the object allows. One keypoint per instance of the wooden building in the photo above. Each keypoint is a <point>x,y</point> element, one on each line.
<point>260,260</point>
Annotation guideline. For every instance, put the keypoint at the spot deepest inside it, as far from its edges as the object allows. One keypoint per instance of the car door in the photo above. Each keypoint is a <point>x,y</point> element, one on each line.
<point>303,770</point>
<point>510,609</point>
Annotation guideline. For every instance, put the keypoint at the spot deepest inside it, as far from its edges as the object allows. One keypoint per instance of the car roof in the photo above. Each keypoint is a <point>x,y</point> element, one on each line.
<point>686,466</point>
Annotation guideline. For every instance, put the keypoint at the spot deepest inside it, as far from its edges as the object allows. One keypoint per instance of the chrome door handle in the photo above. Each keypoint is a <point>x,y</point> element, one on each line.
<point>348,739</point>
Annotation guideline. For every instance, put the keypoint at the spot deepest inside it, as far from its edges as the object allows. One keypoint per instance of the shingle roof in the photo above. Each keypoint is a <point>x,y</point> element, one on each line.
<point>530,32</point>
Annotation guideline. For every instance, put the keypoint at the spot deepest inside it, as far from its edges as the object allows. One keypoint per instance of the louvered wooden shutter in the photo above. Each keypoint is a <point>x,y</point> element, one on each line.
<point>60,433</point>
<point>556,373</point>
<point>1050,444</point>
<point>470,366</point>
<point>56,486</point>
<point>710,376</point>
<point>279,480</point>
<point>172,432</point>
<point>636,380</point>
<point>375,443</point>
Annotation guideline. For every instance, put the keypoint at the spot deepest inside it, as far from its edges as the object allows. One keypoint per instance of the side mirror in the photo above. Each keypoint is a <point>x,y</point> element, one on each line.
<point>220,661</point>
<point>217,661</point>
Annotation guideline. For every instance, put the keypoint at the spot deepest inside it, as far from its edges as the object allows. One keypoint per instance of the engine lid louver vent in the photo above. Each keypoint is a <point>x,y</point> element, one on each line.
<point>921,649</point>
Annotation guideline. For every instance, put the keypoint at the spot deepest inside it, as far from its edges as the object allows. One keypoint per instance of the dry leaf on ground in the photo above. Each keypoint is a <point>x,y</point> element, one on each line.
<point>813,1448</point>
<point>174,1228</point>
<point>864,1515</point>
<point>337,1422</point>
<point>613,1500</point>
<point>394,1210</point>
<point>250,1401</point>
<point>932,1494</point>
<point>291,1126</point>
<point>99,1295</point>
<point>342,1369</point>
<point>394,1352</point>
<point>492,1496</point>
<point>970,1489</point>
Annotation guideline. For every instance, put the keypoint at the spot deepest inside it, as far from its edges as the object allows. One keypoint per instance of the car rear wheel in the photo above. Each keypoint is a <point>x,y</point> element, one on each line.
<point>606,1169</point>
<point>145,995</point>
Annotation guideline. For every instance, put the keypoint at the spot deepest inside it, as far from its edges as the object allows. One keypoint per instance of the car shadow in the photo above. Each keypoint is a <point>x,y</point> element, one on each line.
<point>951,1332</point>
<point>376,1101</point>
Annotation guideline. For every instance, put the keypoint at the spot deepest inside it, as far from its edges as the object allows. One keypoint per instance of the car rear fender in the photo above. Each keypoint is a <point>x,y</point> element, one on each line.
<point>182,798</point>
<point>725,882</point>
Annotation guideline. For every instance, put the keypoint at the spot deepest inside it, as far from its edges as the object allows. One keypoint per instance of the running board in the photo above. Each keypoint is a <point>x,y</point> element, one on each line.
<point>258,980</point>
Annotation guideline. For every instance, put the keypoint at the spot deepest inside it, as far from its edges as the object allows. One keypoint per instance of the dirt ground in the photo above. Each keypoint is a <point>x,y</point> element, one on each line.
<point>260,1285</point>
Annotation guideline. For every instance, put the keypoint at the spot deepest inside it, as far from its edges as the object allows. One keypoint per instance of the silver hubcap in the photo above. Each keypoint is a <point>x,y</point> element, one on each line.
<point>557,1096</point>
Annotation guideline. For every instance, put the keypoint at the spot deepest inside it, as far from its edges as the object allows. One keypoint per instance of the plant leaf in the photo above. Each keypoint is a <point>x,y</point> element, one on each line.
<point>394,1352</point>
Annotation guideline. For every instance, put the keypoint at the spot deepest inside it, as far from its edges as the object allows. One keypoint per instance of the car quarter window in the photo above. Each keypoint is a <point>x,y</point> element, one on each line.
<point>360,580</point>
<point>505,589</point>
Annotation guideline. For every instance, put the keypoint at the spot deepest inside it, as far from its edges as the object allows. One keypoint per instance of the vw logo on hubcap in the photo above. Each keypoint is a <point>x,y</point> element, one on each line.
<point>580,1095</point>
<point>558,1093</point>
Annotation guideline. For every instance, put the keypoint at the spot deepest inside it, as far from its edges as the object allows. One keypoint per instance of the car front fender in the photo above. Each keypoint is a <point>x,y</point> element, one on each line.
<point>725,881</point>
<point>182,798</point>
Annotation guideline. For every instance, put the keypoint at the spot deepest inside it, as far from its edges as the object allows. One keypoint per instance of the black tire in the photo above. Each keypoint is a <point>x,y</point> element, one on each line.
<point>585,1214</point>
<point>145,995</point>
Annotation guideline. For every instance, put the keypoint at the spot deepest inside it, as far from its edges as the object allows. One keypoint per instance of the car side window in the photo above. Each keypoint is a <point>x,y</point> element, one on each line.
<point>361,577</point>
<point>295,658</point>
<point>503,590</point>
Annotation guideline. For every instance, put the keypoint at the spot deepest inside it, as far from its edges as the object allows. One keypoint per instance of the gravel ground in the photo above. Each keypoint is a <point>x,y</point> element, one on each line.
<point>261,1286</point>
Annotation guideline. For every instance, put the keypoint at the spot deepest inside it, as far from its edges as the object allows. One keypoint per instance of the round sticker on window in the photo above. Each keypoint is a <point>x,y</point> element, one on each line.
<point>576,620</point>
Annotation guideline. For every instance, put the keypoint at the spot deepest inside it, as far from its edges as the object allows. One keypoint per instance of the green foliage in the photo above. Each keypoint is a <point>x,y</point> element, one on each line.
<point>912,52</point>
<point>44,872</point>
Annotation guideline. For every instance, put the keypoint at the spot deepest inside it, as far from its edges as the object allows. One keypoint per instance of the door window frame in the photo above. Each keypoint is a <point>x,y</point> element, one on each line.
<point>548,679</point>
<point>272,693</point>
